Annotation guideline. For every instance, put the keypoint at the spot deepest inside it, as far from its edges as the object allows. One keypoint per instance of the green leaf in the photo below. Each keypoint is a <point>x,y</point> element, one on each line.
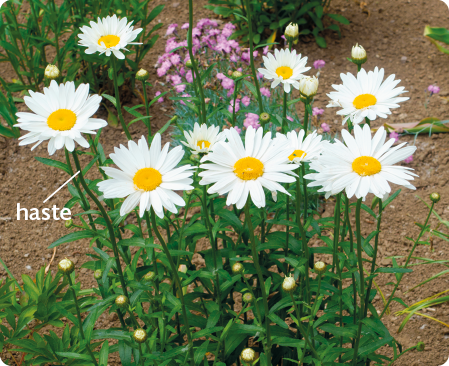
<point>393,270</point>
<point>110,98</point>
<point>76,356</point>
<point>54,163</point>
<point>201,352</point>
<point>339,18</point>
<point>77,235</point>
<point>104,354</point>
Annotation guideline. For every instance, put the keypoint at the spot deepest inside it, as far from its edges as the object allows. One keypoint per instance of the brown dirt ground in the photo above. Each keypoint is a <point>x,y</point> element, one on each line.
<point>391,32</point>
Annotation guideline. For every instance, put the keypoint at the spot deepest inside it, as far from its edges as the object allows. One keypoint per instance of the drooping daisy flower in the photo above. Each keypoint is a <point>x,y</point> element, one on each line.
<point>241,170</point>
<point>284,67</point>
<point>366,96</point>
<point>203,139</point>
<point>147,177</point>
<point>301,149</point>
<point>364,165</point>
<point>60,115</point>
<point>108,35</point>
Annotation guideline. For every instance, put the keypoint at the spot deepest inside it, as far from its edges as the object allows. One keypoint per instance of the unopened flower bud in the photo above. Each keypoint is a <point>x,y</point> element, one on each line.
<point>68,224</point>
<point>308,86</point>
<point>121,301</point>
<point>319,268</point>
<point>189,64</point>
<point>358,55</point>
<point>420,346</point>
<point>248,298</point>
<point>248,355</point>
<point>264,117</point>
<point>291,32</point>
<point>66,266</point>
<point>142,75</point>
<point>206,100</point>
<point>98,274</point>
<point>194,157</point>
<point>182,268</point>
<point>118,11</point>
<point>140,335</point>
<point>236,74</point>
<point>237,268</point>
<point>149,276</point>
<point>435,197</point>
<point>289,284</point>
<point>51,72</point>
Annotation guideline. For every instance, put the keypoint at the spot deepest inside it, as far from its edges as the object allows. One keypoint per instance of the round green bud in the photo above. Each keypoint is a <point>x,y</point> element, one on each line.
<point>140,335</point>
<point>51,72</point>
<point>264,117</point>
<point>66,266</point>
<point>420,346</point>
<point>118,11</point>
<point>69,223</point>
<point>149,276</point>
<point>319,268</point>
<point>236,74</point>
<point>142,75</point>
<point>121,301</point>
<point>237,268</point>
<point>189,64</point>
<point>248,298</point>
<point>248,355</point>
<point>289,284</point>
<point>435,197</point>
<point>98,274</point>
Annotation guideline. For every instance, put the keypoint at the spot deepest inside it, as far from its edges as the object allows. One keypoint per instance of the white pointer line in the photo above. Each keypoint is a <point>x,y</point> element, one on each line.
<point>61,186</point>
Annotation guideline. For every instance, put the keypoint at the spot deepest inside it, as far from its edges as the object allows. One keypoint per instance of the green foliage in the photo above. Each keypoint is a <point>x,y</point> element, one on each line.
<point>438,36</point>
<point>271,17</point>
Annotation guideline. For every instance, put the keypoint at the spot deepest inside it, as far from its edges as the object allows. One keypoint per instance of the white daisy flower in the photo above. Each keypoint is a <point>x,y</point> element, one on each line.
<point>301,149</point>
<point>362,165</point>
<point>147,176</point>
<point>60,115</point>
<point>108,35</point>
<point>242,170</point>
<point>284,67</point>
<point>366,95</point>
<point>203,139</point>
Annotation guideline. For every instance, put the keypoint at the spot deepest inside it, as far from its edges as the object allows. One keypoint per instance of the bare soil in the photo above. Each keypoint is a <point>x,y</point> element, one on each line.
<point>391,32</point>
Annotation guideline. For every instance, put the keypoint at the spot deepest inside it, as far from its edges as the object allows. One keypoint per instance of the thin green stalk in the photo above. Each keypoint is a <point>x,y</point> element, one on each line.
<point>284,113</point>
<point>306,117</point>
<point>298,201</point>
<point>78,313</point>
<point>196,73</point>
<point>178,283</point>
<point>351,249</point>
<point>260,280</point>
<point>287,228</point>
<point>251,57</point>
<point>147,108</point>
<point>305,249</point>
<point>106,219</point>
<point>117,97</point>
<point>362,279</point>
<point>306,197</point>
<point>233,105</point>
<point>408,259</point>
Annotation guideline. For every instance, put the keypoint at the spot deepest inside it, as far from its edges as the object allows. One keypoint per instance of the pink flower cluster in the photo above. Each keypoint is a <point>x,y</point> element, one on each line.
<point>395,136</point>
<point>251,119</point>
<point>325,127</point>
<point>317,111</point>
<point>319,64</point>
<point>433,89</point>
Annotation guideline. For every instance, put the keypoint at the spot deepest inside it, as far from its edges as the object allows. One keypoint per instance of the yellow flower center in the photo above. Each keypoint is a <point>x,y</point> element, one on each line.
<point>364,100</point>
<point>284,71</point>
<point>366,165</point>
<point>61,120</point>
<point>248,168</point>
<point>110,40</point>
<point>297,154</point>
<point>147,179</point>
<point>201,142</point>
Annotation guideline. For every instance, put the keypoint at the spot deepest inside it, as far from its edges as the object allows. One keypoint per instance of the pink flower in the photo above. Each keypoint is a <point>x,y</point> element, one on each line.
<point>176,79</point>
<point>175,59</point>
<point>319,64</point>
<point>245,56</point>
<point>180,88</point>
<point>251,119</point>
<point>317,111</point>
<point>265,92</point>
<point>237,106</point>
<point>160,100</point>
<point>246,101</point>
<point>230,92</point>
<point>171,44</point>
<point>189,76</point>
<point>171,29</point>
<point>161,71</point>
<point>395,136</point>
<point>408,160</point>
<point>185,26</point>
<point>265,50</point>
<point>239,130</point>
<point>234,58</point>
<point>221,76</point>
<point>227,83</point>
<point>196,32</point>
<point>260,75</point>
<point>227,30</point>
<point>325,127</point>
<point>433,89</point>
<point>185,95</point>
<point>290,118</point>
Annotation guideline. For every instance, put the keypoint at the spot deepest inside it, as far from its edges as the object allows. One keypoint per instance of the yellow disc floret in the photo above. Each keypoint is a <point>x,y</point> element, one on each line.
<point>364,100</point>
<point>110,40</point>
<point>201,142</point>
<point>284,71</point>
<point>366,165</point>
<point>61,120</point>
<point>248,168</point>
<point>147,179</point>
<point>297,154</point>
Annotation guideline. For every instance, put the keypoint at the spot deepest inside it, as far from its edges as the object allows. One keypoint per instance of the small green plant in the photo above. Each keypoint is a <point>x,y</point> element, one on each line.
<point>438,36</point>
<point>271,17</point>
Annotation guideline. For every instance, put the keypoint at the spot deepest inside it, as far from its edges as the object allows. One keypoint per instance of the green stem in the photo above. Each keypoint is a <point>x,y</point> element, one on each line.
<point>251,57</point>
<point>147,108</point>
<point>178,283</point>
<point>298,201</point>
<point>306,118</point>
<point>306,197</point>
<point>233,106</point>
<point>78,313</point>
<point>260,280</point>
<point>287,229</point>
<point>284,113</point>
<point>351,249</point>
<point>117,97</point>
